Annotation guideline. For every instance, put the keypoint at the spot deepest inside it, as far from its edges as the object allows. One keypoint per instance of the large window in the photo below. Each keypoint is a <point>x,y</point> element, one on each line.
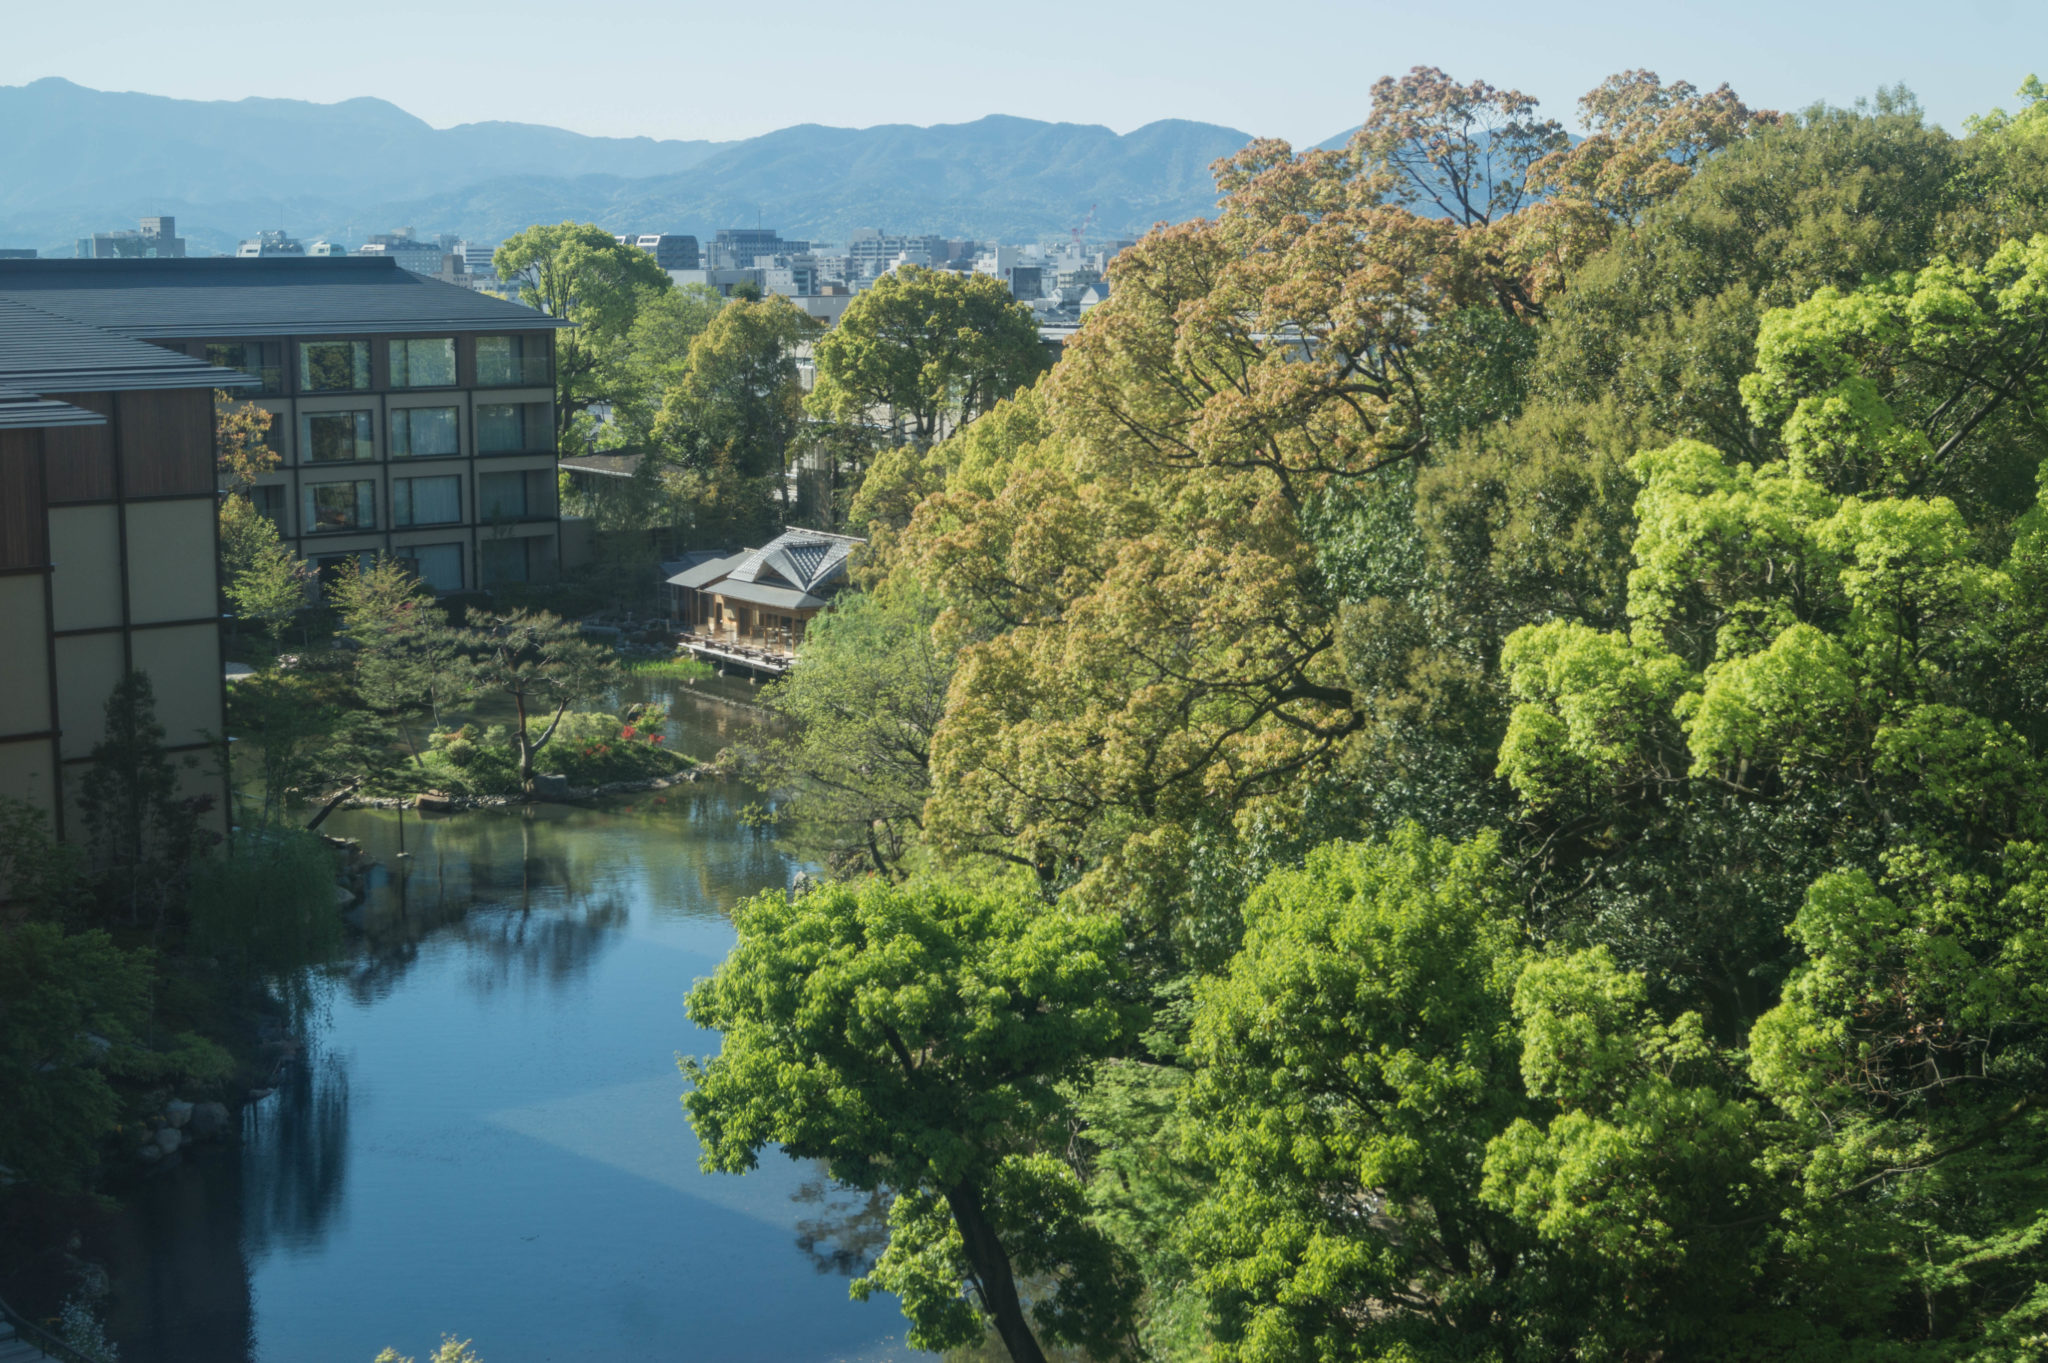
<point>333,366</point>
<point>426,501</point>
<point>500,428</point>
<point>262,360</point>
<point>508,361</point>
<point>501,497</point>
<point>417,432</point>
<point>340,506</point>
<point>437,565</point>
<point>423,364</point>
<point>328,437</point>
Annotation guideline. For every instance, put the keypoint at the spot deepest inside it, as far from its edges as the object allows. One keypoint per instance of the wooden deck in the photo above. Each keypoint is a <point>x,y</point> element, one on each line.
<point>767,661</point>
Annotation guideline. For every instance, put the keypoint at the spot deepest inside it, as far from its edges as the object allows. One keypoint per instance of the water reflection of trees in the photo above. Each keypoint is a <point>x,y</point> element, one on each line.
<point>295,1157</point>
<point>529,898</point>
<point>846,1230</point>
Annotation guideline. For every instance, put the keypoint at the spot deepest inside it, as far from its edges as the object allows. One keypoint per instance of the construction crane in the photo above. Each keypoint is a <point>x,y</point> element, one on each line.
<point>1077,231</point>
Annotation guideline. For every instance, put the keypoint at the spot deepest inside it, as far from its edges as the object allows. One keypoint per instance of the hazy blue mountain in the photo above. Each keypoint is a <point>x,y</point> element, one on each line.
<point>1013,178</point>
<point>74,160</point>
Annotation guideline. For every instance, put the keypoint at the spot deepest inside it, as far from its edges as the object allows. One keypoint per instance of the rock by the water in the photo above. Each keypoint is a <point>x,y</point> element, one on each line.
<point>550,785</point>
<point>434,801</point>
<point>177,1112</point>
<point>151,1153</point>
<point>168,1139</point>
<point>209,1121</point>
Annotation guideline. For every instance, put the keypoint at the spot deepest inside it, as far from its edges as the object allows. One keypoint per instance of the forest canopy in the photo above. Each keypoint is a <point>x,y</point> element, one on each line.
<point>1538,646</point>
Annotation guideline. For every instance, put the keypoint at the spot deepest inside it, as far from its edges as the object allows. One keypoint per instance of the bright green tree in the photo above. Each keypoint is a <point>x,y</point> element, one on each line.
<point>583,275</point>
<point>921,1040</point>
<point>265,581</point>
<point>936,349</point>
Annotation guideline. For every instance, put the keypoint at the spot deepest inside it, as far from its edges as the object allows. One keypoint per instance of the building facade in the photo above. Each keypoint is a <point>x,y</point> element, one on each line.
<point>156,240</point>
<point>412,418</point>
<point>108,546</point>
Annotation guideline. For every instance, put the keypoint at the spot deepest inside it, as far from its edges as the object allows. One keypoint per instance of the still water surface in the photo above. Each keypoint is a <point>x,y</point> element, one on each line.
<point>485,1137</point>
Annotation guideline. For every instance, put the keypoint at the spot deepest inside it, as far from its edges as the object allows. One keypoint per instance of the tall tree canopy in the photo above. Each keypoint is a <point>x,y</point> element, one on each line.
<point>580,273</point>
<point>1539,647</point>
<point>934,348</point>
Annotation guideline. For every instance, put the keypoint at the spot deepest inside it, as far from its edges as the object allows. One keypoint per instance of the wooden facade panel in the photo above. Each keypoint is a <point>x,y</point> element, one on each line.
<point>79,460</point>
<point>166,438</point>
<point>24,540</point>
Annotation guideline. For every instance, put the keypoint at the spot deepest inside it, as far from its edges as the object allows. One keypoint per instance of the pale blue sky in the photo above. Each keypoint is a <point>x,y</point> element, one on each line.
<point>1298,69</point>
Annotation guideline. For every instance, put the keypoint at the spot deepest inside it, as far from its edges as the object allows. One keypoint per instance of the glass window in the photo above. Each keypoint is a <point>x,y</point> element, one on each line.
<point>500,427</point>
<point>501,561</point>
<point>506,360</point>
<point>258,359</point>
<point>501,496</point>
<point>426,501</point>
<point>341,506</point>
<point>420,431</point>
<point>325,437</point>
<point>437,565</point>
<point>423,364</point>
<point>269,501</point>
<point>333,366</point>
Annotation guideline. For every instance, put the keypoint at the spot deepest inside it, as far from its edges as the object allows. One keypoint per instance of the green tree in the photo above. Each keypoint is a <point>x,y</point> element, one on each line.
<point>408,659</point>
<point>655,357</point>
<point>726,430</point>
<point>1351,1068</point>
<point>855,771</point>
<point>581,274</point>
<point>141,829</point>
<point>313,739</point>
<point>920,1040</point>
<point>265,581</point>
<point>936,349</point>
<point>538,661</point>
<point>71,1007</point>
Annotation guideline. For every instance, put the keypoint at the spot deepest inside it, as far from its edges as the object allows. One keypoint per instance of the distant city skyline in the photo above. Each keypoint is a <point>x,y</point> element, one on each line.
<point>1301,71</point>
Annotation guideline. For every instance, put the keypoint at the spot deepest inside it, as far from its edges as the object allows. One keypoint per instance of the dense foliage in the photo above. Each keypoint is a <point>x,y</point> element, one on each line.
<point>1537,650</point>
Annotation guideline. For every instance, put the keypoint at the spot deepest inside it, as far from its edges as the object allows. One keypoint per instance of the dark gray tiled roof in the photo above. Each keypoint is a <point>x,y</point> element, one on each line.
<point>763,594</point>
<point>41,352</point>
<point>19,408</point>
<point>701,574</point>
<point>229,297</point>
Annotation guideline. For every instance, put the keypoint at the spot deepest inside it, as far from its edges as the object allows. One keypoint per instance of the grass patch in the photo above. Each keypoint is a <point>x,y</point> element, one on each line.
<point>669,669</point>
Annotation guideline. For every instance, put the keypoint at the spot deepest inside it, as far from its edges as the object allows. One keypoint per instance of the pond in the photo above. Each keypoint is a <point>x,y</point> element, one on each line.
<point>485,1137</point>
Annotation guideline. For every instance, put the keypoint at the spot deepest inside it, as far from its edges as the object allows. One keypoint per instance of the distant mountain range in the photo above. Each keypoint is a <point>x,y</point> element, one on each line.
<point>74,161</point>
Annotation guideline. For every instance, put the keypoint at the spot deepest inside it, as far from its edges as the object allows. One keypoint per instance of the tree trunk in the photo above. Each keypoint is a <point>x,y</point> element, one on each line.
<point>525,751</point>
<point>991,1265</point>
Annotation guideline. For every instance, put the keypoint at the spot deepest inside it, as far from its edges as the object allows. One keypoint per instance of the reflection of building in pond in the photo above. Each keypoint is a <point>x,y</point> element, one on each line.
<point>759,600</point>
